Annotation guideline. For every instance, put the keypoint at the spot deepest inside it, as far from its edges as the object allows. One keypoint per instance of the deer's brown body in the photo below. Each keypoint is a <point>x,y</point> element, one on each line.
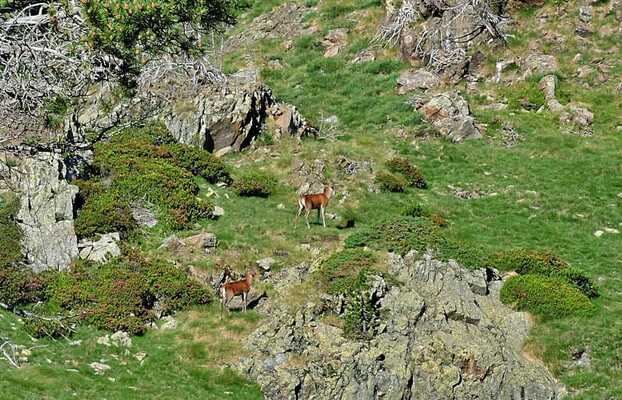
<point>236,288</point>
<point>317,201</point>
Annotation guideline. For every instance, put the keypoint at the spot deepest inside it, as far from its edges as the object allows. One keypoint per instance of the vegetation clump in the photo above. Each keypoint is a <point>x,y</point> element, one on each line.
<point>398,234</point>
<point>255,184</point>
<point>390,182</point>
<point>546,264</point>
<point>547,297</point>
<point>20,286</point>
<point>413,175</point>
<point>145,164</point>
<point>122,294</point>
<point>10,250</point>
<point>348,273</point>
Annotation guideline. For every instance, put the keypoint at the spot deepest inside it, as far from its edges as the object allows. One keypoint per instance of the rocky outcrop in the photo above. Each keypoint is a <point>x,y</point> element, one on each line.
<point>443,334</point>
<point>102,249</point>
<point>577,117</point>
<point>419,79</point>
<point>46,208</point>
<point>449,113</point>
<point>229,118</point>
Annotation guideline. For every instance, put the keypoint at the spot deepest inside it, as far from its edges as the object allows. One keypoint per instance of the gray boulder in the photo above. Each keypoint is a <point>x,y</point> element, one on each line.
<point>419,79</point>
<point>538,64</point>
<point>102,249</point>
<point>444,334</point>
<point>449,113</point>
<point>46,208</point>
<point>228,119</point>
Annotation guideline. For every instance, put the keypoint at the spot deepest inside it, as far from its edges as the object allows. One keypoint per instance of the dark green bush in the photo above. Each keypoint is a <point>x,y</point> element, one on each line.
<point>544,296</point>
<point>171,286</point>
<point>413,175</point>
<point>121,294</point>
<point>400,235</point>
<point>10,234</point>
<point>254,184</point>
<point>362,312</point>
<point>390,182</point>
<point>44,326</point>
<point>347,219</point>
<point>101,211</point>
<point>142,165</point>
<point>545,264</point>
<point>200,162</point>
<point>467,255</point>
<point>414,210</point>
<point>20,286</point>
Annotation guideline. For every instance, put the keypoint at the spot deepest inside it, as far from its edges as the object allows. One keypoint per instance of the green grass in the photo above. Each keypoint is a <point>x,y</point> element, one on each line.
<point>190,362</point>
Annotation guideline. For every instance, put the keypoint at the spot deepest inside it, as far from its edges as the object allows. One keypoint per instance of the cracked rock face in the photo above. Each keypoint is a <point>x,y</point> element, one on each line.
<point>450,114</point>
<point>45,215</point>
<point>444,334</point>
<point>229,119</point>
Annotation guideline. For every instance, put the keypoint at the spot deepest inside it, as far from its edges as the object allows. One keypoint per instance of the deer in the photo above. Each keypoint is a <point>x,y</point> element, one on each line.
<point>317,202</point>
<point>241,287</point>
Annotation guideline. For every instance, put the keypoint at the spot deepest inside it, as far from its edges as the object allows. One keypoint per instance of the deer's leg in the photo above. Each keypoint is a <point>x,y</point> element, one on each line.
<point>323,216</point>
<point>307,211</point>
<point>245,296</point>
<point>300,208</point>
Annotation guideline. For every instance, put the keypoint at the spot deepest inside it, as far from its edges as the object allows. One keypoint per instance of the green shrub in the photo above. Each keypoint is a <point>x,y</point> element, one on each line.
<point>467,255</point>
<point>142,165</point>
<point>48,326</point>
<point>122,294</point>
<point>101,211</point>
<point>10,234</point>
<point>413,175</point>
<point>200,162</point>
<point>20,286</point>
<point>414,210</point>
<point>400,235</point>
<point>362,312</point>
<point>347,219</point>
<point>172,288</point>
<point>390,182</point>
<point>544,296</point>
<point>545,264</point>
<point>345,263</point>
<point>254,184</point>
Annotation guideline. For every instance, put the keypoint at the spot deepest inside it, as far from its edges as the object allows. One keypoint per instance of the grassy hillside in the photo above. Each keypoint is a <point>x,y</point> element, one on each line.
<point>550,192</point>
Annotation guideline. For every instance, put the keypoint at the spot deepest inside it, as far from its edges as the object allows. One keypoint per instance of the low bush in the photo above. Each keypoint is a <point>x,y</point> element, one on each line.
<point>20,286</point>
<point>438,220</point>
<point>48,326</point>
<point>347,219</point>
<point>146,164</point>
<point>400,235</point>
<point>413,175</point>
<point>414,210</point>
<point>200,162</point>
<point>547,297</point>
<point>101,211</point>
<point>122,294</point>
<point>546,264</point>
<point>346,263</point>
<point>390,182</point>
<point>254,184</point>
<point>467,255</point>
<point>10,234</point>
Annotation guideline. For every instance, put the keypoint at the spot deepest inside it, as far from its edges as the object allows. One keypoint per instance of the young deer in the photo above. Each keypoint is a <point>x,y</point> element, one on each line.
<point>241,287</point>
<point>317,202</point>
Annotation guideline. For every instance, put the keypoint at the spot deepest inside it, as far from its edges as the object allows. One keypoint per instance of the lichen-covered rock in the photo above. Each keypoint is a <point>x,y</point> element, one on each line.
<point>419,79</point>
<point>229,118</point>
<point>444,334</point>
<point>538,64</point>
<point>449,113</point>
<point>46,208</point>
<point>100,250</point>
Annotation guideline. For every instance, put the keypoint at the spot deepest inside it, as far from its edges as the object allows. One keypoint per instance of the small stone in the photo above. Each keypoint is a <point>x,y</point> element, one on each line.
<point>170,323</point>
<point>332,120</point>
<point>104,340</point>
<point>140,355</point>
<point>121,339</point>
<point>598,233</point>
<point>611,230</point>
<point>218,211</point>
<point>265,263</point>
<point>99,368</point>
<point>281,206</point>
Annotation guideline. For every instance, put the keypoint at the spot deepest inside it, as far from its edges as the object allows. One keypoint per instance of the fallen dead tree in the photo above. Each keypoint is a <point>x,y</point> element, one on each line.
<point>441,33</point>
